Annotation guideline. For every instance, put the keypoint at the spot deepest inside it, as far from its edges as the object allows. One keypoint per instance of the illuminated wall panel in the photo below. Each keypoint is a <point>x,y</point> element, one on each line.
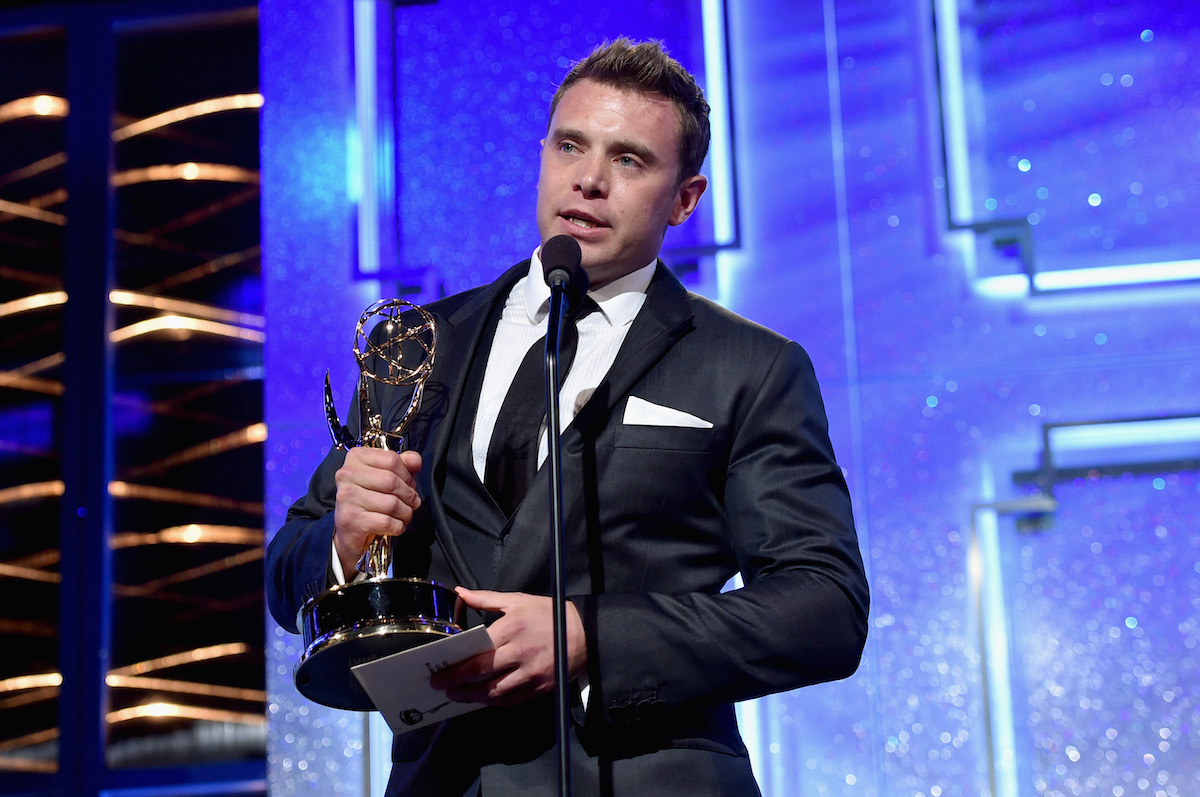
<point>32,141</point>
<point>187,405</point>
<point>1070,139</point>
<point>130,401</point>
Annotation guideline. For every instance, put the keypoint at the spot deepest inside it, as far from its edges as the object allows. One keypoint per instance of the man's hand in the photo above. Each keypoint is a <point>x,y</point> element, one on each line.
<point>376,495</point>
<point>522,664</point>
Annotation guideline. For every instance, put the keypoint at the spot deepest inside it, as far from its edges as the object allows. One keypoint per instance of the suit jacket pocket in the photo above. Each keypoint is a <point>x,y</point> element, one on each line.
<point>663,438</point>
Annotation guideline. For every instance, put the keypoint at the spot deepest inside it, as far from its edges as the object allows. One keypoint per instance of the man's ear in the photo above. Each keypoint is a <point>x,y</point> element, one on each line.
<point>687,197</point>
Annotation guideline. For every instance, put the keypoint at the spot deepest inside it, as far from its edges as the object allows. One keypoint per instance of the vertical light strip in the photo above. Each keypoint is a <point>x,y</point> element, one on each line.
<point>378,738</point>
<point>954,114</point>
<point>749,719</point>
<point>367,123</point>
<point>845,266</point>
<point>986,585</point>
<point>364,169</point>
<point>720,165</point>
<point>717,72</point>
<point>779,760</point>
<point>720,160</point>
<point>995,630</point>
<point>841,191</point>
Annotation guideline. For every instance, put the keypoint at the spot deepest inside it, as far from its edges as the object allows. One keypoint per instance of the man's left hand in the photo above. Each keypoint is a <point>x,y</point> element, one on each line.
<point>521,665</point>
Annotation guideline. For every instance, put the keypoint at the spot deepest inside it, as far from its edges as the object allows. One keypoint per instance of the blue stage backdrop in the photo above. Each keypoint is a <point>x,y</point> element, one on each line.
<point>976,217</point>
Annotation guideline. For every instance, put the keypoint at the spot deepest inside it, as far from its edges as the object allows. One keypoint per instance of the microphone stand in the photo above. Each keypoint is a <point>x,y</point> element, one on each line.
<point>562,702</point>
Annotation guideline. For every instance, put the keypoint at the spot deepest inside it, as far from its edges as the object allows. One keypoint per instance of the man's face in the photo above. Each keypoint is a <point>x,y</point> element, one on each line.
<point>609,177</point>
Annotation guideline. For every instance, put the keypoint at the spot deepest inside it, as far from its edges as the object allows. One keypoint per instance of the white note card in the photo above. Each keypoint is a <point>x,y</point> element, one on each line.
<point>399,687</point>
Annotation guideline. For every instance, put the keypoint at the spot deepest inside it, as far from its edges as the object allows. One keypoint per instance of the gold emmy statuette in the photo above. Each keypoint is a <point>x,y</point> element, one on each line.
<point>374,616</point>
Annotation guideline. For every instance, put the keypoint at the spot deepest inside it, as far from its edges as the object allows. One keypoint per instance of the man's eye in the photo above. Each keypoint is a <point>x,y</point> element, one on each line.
<point>626,160</point>
<point>567,146</point>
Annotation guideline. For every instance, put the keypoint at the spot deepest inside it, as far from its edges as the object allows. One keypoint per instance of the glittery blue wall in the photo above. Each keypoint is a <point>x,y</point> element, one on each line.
<point>1030,634</point>
<point>1088,125</point>
<point>473,90</point>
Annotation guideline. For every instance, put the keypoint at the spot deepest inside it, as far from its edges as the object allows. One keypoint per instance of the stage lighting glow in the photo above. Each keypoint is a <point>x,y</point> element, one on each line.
<point>35,681</point>
<point>196,309</point>
<point>28,574</point>
<point>28,211</point>
<point>35,302</point>
<point>204,270</point>
<point>192,573</point>
<point>29,492</point>
<point>125,490</point>
<point>185,687</point>
<point>28,740</point>
<point>255,433</point>
<point>212,172</point>
<point>191,533</point>
<point>159,710</point>
<point>184,324</point>
<point>184,112</point>
<point>187,657</point>
<point>38,105</point>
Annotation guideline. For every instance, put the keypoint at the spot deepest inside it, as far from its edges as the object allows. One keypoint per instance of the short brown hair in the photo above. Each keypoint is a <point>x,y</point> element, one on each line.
<point>647,67</point>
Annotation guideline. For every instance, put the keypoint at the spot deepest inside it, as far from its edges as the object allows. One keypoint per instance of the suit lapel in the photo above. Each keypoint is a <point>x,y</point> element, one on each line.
<point>459,335</point>
<point>663,320</point>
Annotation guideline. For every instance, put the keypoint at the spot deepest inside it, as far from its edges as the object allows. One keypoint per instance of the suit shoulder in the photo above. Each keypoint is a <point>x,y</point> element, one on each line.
<point>709,314</point>
<point>448,305</point>
<point>722,330</point>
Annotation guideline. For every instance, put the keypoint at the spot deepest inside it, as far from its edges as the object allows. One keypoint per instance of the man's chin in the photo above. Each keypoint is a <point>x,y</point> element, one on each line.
<point>597,273</point>
<point>600,274</point>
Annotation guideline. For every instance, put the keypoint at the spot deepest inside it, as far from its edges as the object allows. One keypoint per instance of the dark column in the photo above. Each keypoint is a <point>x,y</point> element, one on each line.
<point>85,436</point>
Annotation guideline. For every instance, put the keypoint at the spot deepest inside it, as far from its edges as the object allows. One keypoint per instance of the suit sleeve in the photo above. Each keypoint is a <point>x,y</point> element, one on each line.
<point>298,556</point>
<point>801,616</point>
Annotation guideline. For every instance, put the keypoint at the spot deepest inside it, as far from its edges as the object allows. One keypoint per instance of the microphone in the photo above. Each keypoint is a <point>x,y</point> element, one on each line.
<point>567,279</point>
<point>561,267</point>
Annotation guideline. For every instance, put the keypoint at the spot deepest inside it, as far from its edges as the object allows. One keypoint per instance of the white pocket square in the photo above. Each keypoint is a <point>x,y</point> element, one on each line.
<point>639,412</point>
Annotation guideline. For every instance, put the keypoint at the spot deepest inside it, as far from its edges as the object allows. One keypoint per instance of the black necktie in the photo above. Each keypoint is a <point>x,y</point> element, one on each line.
<point>513,450</point>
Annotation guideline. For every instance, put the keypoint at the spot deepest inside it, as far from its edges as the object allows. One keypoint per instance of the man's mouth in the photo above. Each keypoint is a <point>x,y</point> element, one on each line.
<point>582,221</point>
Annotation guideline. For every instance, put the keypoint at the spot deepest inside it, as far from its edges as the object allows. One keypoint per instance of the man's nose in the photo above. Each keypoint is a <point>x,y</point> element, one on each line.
<point>592,179</point>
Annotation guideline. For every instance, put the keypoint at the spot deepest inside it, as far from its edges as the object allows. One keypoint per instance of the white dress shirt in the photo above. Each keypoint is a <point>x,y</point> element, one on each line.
<point>523,324</point>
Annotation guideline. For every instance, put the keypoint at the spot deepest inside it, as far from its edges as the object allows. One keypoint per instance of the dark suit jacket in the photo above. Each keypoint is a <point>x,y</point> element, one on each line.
<point>657,519</point>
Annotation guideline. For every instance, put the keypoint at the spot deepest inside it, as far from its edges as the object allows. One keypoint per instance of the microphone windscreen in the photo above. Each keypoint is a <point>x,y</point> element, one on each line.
<point>561,263</point>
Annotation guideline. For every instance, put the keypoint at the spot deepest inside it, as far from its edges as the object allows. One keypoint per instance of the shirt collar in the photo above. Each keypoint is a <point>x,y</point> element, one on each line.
<point>619,300</point>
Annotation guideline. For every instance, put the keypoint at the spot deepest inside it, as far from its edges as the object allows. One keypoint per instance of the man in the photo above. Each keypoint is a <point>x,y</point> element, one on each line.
<point>696,447</point>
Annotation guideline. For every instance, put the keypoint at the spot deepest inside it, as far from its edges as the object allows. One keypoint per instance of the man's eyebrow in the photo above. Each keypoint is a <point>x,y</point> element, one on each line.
<point>567,132</point>
<point>635,148</point>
